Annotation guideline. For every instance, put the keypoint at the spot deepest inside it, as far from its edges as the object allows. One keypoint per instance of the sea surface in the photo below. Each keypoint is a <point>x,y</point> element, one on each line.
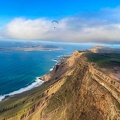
<point>20,70</point>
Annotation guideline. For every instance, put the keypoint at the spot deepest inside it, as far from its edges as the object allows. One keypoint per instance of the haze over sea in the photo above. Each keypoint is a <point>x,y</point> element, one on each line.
<point>19,70</point>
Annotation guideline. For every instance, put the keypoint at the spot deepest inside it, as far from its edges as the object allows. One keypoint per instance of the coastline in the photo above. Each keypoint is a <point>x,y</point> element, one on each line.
<point>35,84</point>
<point>38,82</point>
<point>73,81</point>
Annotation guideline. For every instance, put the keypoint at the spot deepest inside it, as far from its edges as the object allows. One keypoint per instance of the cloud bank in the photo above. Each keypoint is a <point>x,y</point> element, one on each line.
<point>99,27</point>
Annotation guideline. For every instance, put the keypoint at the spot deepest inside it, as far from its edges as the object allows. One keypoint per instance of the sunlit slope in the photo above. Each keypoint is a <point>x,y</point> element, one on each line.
<point>76,90</point>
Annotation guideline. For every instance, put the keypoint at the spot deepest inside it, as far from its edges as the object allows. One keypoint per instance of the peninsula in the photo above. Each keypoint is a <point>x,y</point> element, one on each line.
<point>85,86</point>
<point>34,48</point>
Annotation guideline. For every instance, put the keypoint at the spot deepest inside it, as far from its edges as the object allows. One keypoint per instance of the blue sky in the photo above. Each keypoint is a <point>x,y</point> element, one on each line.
<point>79,20</point>
<point>52,8</point>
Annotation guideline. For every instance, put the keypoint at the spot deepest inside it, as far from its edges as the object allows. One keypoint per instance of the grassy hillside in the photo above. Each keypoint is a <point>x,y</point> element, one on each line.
<point>72,93</point>
<point>104,60</point>
<point>19,104</point>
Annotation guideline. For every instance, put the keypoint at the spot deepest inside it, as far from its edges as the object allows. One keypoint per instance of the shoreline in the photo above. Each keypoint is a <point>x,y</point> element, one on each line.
<point>38,82</point>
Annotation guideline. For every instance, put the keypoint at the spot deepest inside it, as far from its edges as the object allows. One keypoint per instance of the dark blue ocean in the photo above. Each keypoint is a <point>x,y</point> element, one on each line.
<point>19,70</point>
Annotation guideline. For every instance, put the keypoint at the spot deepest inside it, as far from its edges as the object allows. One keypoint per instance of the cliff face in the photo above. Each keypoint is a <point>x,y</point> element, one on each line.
<point>75,91</point>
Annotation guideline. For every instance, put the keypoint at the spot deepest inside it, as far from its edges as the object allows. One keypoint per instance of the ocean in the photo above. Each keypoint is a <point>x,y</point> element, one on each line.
<point>20,70</point>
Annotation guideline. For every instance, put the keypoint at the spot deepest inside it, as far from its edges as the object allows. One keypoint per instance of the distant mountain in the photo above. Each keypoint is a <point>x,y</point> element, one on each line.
<point>49,46</point>
<point>34,48</point>
<point>102,49</point>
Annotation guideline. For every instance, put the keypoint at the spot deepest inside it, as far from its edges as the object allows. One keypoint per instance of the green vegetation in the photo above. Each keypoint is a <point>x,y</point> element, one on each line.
<point>73,96</point>
<point>23,102</point>
<point>65,101</point>
<point>104,60</point>
<point>61,97</point>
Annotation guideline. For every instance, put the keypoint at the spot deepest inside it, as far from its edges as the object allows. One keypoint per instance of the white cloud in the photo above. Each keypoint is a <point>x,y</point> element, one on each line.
<point>27,29</point>
<point>99,27</point>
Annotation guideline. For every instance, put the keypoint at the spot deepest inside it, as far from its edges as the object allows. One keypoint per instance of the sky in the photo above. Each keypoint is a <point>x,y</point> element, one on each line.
<point>82,21</point>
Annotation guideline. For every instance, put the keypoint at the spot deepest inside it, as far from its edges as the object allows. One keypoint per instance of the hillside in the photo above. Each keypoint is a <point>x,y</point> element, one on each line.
<point>103,49</point>
<point>78,88</point>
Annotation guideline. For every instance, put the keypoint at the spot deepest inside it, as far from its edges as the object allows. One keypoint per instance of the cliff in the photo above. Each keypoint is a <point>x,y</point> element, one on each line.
<point>76,89</point>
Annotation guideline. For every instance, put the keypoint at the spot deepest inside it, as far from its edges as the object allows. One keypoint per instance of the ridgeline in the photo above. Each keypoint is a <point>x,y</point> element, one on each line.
<point>78,88</point>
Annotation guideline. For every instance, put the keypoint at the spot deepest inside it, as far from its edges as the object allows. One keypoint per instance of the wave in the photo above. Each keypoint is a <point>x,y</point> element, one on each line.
<point>65,55</point>
<point>54,60</point>
<point>37,83</point>
<point>51,69</point>
<point>59,56</point>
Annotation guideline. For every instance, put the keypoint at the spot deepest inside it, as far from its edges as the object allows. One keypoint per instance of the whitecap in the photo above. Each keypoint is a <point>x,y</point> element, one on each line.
<point>55,60</point>
<point>37,83</point>
<point>51,69</point>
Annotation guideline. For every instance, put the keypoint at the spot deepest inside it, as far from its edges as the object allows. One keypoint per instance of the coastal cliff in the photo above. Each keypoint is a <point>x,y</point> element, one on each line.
<point>76,89</point>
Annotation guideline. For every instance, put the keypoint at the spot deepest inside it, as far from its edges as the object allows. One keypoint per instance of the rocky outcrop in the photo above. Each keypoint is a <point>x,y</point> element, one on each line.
<point>75,90</point>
